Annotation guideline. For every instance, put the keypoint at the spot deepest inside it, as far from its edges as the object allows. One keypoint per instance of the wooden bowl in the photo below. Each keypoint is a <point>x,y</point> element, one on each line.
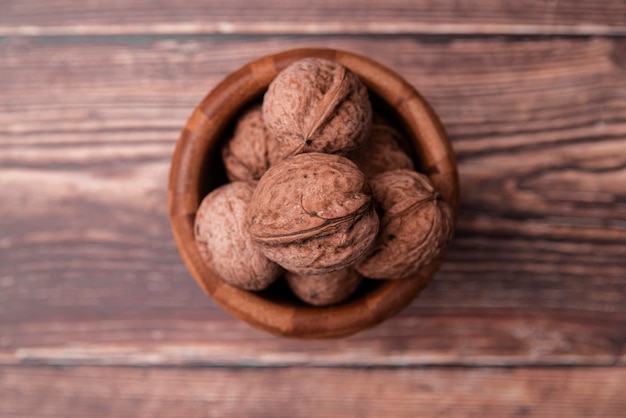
<point>197,169</point>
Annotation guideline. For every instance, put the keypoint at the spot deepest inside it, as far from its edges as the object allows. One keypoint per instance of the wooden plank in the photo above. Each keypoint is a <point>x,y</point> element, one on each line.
<point>563,17</point>
<point>89,271</point>
<point>418,337</point>
<point>312,392</point>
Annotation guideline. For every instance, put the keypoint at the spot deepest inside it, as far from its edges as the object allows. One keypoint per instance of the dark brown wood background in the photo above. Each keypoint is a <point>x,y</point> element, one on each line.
<point>99,317</point>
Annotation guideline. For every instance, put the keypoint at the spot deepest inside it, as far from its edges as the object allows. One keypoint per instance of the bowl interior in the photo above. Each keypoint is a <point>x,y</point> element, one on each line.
<point>197,169</point>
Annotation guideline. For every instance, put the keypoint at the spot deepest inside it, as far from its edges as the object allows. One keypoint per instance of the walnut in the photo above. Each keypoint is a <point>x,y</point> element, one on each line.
<point>223,240</point>
<point>317,105</point>
<point>324,289</point>
<point>381,151</point>
<point>416,225</point>
<point>252,149</point>
<point>313,213</point>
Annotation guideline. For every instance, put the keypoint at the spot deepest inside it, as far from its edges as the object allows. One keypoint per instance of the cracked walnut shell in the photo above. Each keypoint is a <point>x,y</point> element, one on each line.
<point>416,225</point>
<point>224,243</point>
<point>317,105</point>
<point>313,213</point>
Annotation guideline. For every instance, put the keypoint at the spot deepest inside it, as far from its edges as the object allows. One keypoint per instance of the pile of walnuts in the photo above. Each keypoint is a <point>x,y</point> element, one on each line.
<point>320,193</point>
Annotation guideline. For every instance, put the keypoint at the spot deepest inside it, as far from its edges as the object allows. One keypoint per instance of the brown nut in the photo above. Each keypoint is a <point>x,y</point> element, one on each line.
<point>381,151</point>
<point>416,226</point>
<point>313,213</point>
<point>324,289</point>
<point>252,149</point>
<point>317,105</point>
<point>223,240</point>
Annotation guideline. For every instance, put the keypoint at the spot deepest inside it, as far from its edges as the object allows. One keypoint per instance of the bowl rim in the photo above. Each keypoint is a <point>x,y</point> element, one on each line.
<point>202,136</point>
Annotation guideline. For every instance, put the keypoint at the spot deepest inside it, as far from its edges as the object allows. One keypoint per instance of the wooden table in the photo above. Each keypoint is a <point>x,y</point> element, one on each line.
<point>100,318</point>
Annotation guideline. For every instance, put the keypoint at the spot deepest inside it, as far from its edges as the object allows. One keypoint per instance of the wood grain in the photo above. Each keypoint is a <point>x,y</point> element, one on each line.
<point>89,272</point>
<point>527,317</point>
<point>417,337</point>
<point>550,17</point>
<point>312,392</point>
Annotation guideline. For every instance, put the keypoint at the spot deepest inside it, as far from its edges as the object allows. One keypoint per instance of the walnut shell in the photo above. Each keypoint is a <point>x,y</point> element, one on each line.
<point>223,240</point>
<point>381,151</point>
<point>317,105</point>
<point>252,149</point>
<point>313,213</point>
<point>416,226</point>
<point>324,289</point>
